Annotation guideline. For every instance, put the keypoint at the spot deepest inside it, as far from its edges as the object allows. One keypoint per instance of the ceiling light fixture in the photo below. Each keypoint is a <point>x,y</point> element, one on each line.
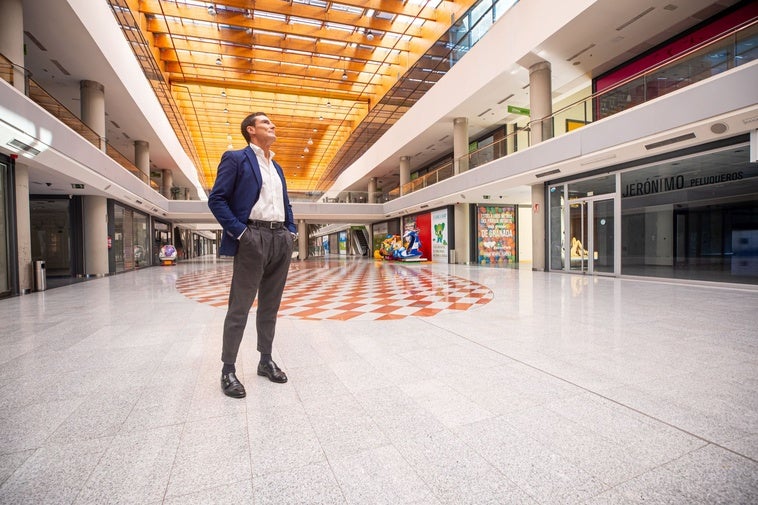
<point>344,75</point>
<point>369,35</point>
<point>218,60</point>
<point>310,142</point>
<point>306,150</point>
<point>223,94</point>
<point>211,10</point>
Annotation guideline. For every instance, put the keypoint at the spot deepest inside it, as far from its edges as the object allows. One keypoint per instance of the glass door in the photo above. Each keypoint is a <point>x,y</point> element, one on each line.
<point>603,258</point>
<point>591,236</point>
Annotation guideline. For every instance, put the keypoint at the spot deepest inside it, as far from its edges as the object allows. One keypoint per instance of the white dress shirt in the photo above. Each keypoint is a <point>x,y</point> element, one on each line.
<point>270,205</point>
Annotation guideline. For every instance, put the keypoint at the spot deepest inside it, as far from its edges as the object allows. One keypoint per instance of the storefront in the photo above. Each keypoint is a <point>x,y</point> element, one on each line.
<point>6,230</point>
<point>691,215</point>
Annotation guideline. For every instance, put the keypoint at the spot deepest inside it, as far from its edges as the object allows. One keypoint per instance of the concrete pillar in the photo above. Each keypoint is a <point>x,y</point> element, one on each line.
<point>405,173</point>
<point>462,218</point>
<point>460,145</point>
<point>540,101</point>
<point>302,241</point>
<point>12,38</point>
<point>95,216</point>
<point>538,227</point>
<point>93,108</point>
<point>167,180</point>
<point>372,190</point>
<point>23,230</point>
<point>142,158</point>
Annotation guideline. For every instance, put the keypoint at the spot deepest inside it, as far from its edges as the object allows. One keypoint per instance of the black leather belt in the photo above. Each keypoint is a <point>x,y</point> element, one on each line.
<point>272,225</point>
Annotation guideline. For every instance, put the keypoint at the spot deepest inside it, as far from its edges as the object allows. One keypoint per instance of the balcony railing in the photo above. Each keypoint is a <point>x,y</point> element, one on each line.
<point>711,57</point>
<point>42,98</point>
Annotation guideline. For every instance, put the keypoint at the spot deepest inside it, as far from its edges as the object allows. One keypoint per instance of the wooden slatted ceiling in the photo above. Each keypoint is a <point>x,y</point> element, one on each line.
<point>315,67</point>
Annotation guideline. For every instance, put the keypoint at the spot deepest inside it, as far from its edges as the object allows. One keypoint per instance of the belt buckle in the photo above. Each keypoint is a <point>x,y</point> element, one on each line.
<point>272,225</point>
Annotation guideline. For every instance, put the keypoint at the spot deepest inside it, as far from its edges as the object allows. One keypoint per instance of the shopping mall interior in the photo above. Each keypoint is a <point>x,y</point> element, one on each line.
<point>526,265</point>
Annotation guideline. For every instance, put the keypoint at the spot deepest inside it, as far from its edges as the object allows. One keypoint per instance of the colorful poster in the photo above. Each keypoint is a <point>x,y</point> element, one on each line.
<point>496,234</point>
<point>440,249</point>
<point>380,232</point>
<point>325,243</point>
<point>343,243</point>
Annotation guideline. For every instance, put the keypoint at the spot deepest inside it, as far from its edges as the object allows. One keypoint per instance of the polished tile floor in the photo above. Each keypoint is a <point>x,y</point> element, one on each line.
<point>409,384</point>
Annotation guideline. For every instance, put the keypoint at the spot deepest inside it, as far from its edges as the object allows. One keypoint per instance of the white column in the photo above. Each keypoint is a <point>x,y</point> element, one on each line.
<point>93,108</point>
<point>302,241</point>
<point>142,157</point>
<point>540,102</point>
<point>12,38</point>
<point>95,216</point>
<point>462,217</point>
<point>538,227</point>
<point>460,145</point>
<point>167,180</point>
<point>23,230</point>
<point>372,190</point>
<point>405,173</point>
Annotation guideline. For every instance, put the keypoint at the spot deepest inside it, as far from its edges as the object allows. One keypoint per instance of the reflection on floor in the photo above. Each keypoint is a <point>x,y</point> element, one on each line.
<point>366,290</point>
<point>516,387</point>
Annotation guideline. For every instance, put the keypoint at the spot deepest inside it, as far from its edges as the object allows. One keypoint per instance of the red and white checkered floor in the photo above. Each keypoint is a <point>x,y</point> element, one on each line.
<point>359,290</point>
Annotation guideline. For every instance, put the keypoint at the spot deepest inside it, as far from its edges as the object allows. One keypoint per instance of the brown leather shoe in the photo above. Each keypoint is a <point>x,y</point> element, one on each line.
<point>273,372</point>
<point>232,386</point>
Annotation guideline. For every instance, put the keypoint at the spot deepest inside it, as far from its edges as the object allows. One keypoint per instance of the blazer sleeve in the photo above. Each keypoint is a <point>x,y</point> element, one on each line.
<point>222,194</point>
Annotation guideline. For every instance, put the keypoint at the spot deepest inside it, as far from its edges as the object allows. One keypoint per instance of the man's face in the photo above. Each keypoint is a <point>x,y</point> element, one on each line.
<point>263,132</point>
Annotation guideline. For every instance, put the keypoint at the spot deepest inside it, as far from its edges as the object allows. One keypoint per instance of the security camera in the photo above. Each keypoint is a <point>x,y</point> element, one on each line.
<point>48,184</point>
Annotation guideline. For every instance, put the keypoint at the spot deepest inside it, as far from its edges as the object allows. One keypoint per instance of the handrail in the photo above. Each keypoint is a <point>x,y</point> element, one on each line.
<point>41,97</point>
<point>443,173</point>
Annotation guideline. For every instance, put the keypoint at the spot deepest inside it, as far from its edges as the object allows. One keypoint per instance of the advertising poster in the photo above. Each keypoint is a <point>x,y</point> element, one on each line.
<point>325,243</point>
<point>496,234</point>
<point>380,232</point>
<point>343,243</point>
<point>440,249</point>
<point>422,223</point>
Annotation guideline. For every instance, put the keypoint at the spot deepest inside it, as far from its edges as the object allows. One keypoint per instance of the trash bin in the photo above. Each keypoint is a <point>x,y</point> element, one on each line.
<point>40,276</point>
<point>452,256</point>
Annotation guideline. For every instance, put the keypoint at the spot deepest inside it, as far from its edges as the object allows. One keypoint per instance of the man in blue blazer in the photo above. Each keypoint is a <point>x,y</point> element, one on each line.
<point>249,200</point>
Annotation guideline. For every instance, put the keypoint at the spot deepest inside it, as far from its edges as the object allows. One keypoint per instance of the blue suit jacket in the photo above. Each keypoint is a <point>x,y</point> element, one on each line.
<point>237,188</point>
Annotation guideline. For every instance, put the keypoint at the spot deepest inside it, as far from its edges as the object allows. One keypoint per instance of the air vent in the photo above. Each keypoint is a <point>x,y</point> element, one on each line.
<point>506,98</point>
<point>35,41</point>
<point>680,138</point>
<point>582,52</point>
<point>549,172</point>
<point>484,112</point>
<point>60,67</point>
<point>635,18</point>
<point>719,128</point>
<point>23,147</point>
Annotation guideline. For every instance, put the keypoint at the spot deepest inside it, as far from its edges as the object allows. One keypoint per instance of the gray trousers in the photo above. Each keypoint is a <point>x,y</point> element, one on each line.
<point>260,267</point>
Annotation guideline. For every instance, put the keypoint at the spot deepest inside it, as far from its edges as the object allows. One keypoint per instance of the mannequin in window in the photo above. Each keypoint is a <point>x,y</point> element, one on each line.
<point>577,250</point>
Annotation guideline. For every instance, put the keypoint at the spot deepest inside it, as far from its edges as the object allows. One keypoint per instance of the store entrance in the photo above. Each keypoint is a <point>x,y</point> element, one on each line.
<point>591,232</point>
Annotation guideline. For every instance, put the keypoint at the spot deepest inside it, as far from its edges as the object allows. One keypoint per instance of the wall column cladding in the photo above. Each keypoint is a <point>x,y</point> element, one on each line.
<point>93,108</point>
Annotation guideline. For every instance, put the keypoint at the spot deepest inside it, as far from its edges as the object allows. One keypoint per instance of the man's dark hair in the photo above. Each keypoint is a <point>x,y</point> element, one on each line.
<point>249,121</point>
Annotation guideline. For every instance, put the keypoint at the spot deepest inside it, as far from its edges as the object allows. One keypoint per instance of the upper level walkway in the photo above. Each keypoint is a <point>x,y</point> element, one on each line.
<point>408,384</point>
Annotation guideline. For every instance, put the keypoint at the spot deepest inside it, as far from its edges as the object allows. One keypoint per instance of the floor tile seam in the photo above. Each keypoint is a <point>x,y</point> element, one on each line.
<point>453,433</point>
<point>179,443</point>
<point>664,466</point>
<point>598,394</point>
<point>538,442</point>
<point>320,442</point>
<point>569,457</point>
